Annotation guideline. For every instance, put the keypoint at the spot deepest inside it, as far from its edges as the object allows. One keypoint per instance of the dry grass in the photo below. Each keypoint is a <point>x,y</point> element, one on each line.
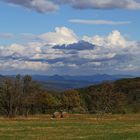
<point>77,127</point>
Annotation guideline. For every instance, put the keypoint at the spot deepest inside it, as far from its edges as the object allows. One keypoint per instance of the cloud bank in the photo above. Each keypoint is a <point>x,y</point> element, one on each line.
<point>63,52</point>
<point>45,6</point>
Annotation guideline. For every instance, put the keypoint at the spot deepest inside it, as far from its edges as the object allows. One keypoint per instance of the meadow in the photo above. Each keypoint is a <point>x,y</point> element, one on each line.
<point>76,127</point>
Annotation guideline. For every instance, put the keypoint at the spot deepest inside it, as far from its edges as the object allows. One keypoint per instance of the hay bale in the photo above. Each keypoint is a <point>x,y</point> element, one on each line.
<point>56,115</point>
<point>64,115</point>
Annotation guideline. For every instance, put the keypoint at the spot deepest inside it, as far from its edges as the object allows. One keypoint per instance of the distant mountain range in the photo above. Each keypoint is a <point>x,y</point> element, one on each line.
<point>57,82</point>
<point>60,83</point>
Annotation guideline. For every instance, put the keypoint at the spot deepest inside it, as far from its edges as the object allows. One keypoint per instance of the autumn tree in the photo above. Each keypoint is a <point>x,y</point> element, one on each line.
<point>70,99</point>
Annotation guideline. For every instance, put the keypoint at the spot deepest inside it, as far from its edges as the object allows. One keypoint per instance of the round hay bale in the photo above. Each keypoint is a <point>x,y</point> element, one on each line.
<point>64,115</point>
<point>56,115</point>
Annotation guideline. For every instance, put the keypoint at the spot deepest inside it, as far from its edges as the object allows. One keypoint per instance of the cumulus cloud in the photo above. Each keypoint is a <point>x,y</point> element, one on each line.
<point>113,40</point>
<point>99,22</point>
<point>67,54</point>
<point>44,6</point>
<point>61,36</point>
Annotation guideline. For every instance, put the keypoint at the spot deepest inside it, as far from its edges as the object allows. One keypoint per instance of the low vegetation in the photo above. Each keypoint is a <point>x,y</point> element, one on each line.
<point>77,127</point>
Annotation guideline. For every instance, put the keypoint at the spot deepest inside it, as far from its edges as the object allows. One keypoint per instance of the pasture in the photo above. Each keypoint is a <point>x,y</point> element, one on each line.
<point>77,127</point>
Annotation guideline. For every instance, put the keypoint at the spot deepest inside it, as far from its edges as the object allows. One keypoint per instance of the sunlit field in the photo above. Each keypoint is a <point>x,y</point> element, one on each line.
<point>84,127</point>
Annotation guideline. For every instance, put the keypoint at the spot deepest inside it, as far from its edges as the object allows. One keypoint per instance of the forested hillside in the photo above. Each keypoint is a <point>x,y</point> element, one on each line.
<point>23,96</point>
<point>121,96</point>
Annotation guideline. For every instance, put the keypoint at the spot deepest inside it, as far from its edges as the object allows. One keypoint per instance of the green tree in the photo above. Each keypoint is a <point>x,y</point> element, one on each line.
<point>46,102</point>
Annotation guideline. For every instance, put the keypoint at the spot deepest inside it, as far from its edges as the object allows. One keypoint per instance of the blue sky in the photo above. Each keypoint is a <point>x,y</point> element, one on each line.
<point>19,20</point>
<point>31,24</point>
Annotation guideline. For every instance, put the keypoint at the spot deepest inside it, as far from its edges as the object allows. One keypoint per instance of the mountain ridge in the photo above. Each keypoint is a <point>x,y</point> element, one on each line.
<point>65,82</point>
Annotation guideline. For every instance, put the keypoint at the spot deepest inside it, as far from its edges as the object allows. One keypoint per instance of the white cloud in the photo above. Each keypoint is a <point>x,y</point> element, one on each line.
<point>23,65</point>
<point>98,22</point>
<point>16,48</point>
<point>62,35</point>
<point>113,40</point>
<point>27,65</point>
<point>95,55</point>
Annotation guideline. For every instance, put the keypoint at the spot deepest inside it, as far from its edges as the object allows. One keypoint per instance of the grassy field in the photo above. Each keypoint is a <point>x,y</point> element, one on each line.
<point>77,127</point>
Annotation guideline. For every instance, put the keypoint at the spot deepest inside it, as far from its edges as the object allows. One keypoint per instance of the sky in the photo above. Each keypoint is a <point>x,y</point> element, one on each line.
<point>70,37</point>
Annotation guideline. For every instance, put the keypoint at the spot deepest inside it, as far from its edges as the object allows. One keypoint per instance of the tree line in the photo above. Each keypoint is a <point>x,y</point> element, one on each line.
<point>23,96</point>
